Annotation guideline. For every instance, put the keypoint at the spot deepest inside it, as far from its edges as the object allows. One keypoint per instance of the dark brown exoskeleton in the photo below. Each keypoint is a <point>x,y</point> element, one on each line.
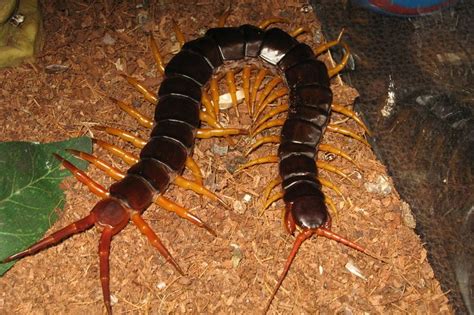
<point>176,125</point>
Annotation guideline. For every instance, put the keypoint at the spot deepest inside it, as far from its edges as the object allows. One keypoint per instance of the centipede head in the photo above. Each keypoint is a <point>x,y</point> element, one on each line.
<point>305,211</point>
<point>309,212</point>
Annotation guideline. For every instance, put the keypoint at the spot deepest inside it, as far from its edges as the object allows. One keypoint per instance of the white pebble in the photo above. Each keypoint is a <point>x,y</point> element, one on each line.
<point>113,299</point>
<point>225,100</point>
<point>381,186</point>
<point>355,270</point>
<point>161,285</point>
<point>247,198</point>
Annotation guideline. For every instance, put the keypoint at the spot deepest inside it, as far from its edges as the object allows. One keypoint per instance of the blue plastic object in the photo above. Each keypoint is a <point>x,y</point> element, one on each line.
<point>404,8</point>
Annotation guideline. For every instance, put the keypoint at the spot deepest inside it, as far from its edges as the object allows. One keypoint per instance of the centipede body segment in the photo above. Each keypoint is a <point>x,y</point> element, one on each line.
<point>176,125</point>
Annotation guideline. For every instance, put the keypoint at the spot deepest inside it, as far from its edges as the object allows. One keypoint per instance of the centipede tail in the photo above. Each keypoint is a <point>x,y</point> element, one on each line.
<point>176,125</point>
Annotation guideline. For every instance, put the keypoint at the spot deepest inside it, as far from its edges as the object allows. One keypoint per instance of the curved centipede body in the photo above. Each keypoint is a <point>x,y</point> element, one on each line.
<point>176,125</point>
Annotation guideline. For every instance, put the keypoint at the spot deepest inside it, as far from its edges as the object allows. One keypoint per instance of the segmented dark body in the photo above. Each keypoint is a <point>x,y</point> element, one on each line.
<point>177,116</point>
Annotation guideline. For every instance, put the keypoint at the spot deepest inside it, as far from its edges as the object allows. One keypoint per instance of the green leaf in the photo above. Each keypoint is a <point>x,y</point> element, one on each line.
<point>29,191</point>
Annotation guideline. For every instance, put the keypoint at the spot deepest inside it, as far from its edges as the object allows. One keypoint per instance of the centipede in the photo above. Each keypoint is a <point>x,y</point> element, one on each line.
<point>183,103</point>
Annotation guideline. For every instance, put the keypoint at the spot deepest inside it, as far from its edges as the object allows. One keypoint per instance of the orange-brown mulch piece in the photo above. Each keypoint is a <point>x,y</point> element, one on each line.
<point>66,93</point>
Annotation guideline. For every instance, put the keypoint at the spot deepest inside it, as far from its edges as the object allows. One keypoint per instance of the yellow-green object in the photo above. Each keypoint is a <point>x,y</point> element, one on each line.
<point>22,41</point>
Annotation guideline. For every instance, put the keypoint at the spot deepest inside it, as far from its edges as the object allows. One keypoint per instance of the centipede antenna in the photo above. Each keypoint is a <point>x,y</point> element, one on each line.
<point>304,235</point>
<point>333,236</point>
